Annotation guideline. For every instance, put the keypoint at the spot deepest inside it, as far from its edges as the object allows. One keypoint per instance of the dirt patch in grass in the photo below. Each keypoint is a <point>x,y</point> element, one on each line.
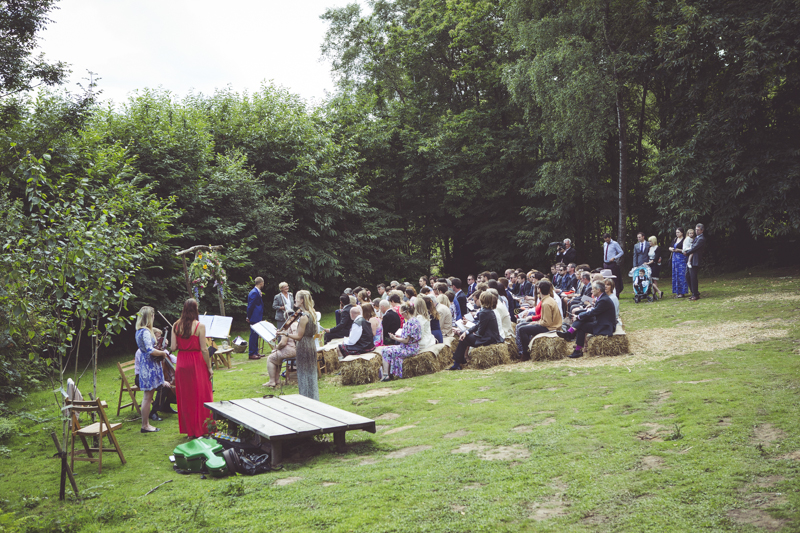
<point>483,388</point>
<point>471,447</point>
<point>377,393</point>
<point>652,462</point>
<point>480,400</point>
<point>662,396</point>
<point>505,453</point>
<point>388,416</point>
<point>607,406</point>
<point>793,456</point>
<point>649,436</point>
<point>523,429</point>
<point>697,382</point>
<point>546,422</point>
<point>398,430</point>
<point>724,422</point>
<point>473,486</point>
<point>434,402</point>
<point>550,507</point>
<point>286,481</point>
<point>458,508</point>
<point>328,483</point>
<point>381,428</point>
<point>456,434</point>
<point>405,452</point>
<point>593,519</point>
<point>766,434</point>
<point>756,517</point>
<point>765,482</point>
<point>366,460</point>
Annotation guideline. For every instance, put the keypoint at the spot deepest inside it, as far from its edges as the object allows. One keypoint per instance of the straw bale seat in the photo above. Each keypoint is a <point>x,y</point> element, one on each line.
<point>431,360</point>
<point>549,347</point>
<point>607,346</point>
<point>330,354</point>
<point>360,369</point>
<point>513,353</point>
<point>481,357</point>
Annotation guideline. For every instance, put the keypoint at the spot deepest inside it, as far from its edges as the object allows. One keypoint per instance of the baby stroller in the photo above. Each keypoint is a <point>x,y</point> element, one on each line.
<point>642,285</point>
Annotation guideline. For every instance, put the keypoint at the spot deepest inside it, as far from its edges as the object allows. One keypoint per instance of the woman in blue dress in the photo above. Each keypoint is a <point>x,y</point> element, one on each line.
<point>679,288</point>
<point>151,376</point>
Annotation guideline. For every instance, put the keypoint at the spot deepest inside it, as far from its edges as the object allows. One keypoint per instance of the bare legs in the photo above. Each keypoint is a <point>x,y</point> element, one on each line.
<point>146,403</point>
<point>274,377</point>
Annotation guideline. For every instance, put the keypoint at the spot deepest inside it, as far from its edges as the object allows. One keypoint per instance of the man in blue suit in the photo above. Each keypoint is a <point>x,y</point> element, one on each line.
<point>641,250</point>
<point>600,320</point>
<point>255,314</point>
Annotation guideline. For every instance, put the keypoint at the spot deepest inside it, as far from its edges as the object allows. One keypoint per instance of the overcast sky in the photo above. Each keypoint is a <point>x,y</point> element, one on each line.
<point>195,45</point>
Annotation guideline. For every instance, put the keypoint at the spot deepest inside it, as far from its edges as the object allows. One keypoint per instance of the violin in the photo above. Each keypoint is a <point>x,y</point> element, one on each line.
<point>292,319</point>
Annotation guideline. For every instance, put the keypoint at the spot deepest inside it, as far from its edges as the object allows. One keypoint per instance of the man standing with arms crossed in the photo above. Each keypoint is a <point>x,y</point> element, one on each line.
<point>255,314</point>
<point>695,254</point>
<point>612,254</point>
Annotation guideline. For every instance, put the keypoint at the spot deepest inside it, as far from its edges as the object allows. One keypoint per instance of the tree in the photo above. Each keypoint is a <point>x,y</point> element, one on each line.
<point>20,21</point>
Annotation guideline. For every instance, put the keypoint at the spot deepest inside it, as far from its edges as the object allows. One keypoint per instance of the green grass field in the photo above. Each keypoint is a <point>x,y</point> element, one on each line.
<point>697,430</point>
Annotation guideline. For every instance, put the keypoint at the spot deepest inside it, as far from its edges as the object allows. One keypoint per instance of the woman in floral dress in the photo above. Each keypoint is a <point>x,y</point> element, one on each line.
<point>407,345</point>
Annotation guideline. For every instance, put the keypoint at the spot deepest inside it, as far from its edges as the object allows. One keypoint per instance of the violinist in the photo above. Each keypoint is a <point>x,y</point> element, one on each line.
<point>165,393</point>
<point>286,349</point>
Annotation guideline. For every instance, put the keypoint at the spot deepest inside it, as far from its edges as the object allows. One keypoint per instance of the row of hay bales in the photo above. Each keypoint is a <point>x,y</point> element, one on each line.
<point>360,370</point>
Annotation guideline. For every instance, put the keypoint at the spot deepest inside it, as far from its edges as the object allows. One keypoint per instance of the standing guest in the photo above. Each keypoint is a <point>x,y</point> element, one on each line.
<point>687,244</point>
<point>695,256</point>
<point>306,351</point>
<point>654,254</point>
<point>612,256</point>
<point>460,298</point>
<point>165,393</point>
<point>382,292</point>
<point>472,285</point>
<point>426,338</point>
<point>550,320</point>
<point>609,284</point>
<point>342,329</point>
<point>361,340</point>
<point>600,320</point>
<point>282,304</point>
<point>151,376</point>
<point>433,312</point>
<point>640,250</point>
<point>679,285</point>
<point>390,322</point>
<point>286,349</point>
<point>406,345</point>
<point>567,254</point>
<point>193,372</point>
<point>255,314</point>
<point>445,316</point>
<point>484,333</point>
<point>369,314</point>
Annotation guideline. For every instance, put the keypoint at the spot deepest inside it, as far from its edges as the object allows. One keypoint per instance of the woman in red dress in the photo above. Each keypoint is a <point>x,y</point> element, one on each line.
<point>193,371</point>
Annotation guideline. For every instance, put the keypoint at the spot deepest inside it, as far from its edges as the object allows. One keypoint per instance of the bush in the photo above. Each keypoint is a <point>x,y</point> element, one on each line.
<point>7,428</point>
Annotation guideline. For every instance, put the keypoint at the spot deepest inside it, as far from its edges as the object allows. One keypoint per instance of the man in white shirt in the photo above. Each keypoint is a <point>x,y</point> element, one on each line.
<point>361,340</point>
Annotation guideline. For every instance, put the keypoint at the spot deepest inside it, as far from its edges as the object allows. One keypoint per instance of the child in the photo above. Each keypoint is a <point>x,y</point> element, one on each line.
<point>687,243</point>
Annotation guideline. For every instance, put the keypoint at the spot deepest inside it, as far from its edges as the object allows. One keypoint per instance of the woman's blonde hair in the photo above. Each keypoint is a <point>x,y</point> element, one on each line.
<point>408,309</point>
<point>144,319</point>
<point>308,305</point>
<point>282,284</point>
<point>421,308</point>
<point>652,240</point>
<point>443,299</point>
<point>363,297</point>
<point>488,300</point>
<point>431,305</point>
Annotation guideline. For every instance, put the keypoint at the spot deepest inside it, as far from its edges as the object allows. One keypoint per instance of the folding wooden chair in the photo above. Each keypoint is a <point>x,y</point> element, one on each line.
<point>98,430</point>
<point>125,386</point>
<point>320,358</point>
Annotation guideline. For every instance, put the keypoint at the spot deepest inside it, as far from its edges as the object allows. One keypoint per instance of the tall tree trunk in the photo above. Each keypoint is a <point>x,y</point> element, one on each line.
<point>623,171</point>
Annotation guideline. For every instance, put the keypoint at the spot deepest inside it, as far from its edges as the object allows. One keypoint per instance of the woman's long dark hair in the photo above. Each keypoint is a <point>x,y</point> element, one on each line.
<point>183,326</point>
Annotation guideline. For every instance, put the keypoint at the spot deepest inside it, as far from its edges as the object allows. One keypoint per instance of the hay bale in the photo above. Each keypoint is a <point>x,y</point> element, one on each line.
<point>445,358</point>
<point>482,357</point>
<point>361,369</point>
<point>419,365</point>
<point>606,346</point>
<point>330,353</point>
<point>549,347</point>
<point>513,353</point>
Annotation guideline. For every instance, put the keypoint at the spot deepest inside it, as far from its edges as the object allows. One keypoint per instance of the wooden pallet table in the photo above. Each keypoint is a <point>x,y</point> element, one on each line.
<point>279,419</point>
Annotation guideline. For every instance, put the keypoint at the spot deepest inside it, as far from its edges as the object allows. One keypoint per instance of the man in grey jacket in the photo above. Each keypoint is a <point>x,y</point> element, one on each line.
<point>640,250</point>
<point>283,304</point>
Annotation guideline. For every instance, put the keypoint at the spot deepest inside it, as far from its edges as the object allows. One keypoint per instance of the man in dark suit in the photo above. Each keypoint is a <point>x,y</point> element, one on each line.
<point>342,329</point>
<point>600,320</point>
<point>568,254</point>
<point>255,314</point>
<point>696,253</point>
<point>640,250</point>
<point>471,285</point>
<point>461,298</point>
<point>390,321</point>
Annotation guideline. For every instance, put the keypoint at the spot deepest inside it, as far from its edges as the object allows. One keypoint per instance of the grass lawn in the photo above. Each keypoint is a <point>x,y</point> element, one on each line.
<point>697,430</point>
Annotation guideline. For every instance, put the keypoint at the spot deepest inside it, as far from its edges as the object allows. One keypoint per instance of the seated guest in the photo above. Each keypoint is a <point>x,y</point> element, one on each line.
<point>484,333</point>
<point>369,314</point>
<point>445,316</point>
<point>286,349</point>
<point>472,286</point>
<point>407,345</point>
<point>503,318</point>
<point>342,329</point>
<point>376,307</point>
<point>363,297</point>
<point>436,328</point>
<point>461,299</point>
<point>411,295</point>
<point>439,288</point>
<point>570,282</point>
<point>395,298</point>
<point>550,321</point>
<point>609,283</point>
<point>584,289</point>
<point>361,340</point>
<point>390,321</point>
<point>425,291</point>
<point>426,339</point>
<point>600,320</point>
<point>453,305</point>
